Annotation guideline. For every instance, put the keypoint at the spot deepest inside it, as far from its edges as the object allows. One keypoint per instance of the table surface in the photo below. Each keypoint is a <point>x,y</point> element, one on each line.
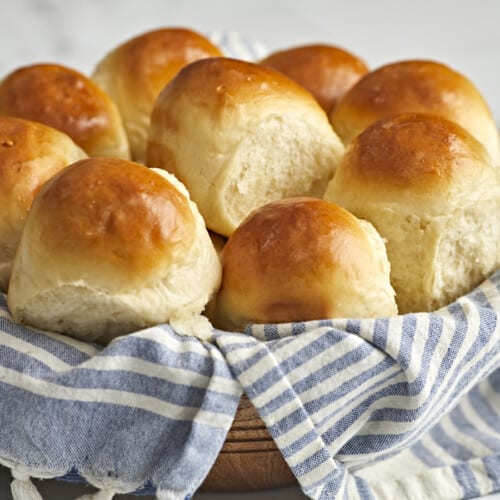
<point>55,490</point>
<point>460,33</point>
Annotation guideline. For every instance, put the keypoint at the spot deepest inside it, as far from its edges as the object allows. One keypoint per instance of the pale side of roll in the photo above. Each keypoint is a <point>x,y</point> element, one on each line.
<point>30,154</point>
<point>67,100</point>
<point>155,58</point>
<point>302,259</point>
<point>239,135</point>
<point>432,193</point>
<point>110,247</point>
<point>416,86</point>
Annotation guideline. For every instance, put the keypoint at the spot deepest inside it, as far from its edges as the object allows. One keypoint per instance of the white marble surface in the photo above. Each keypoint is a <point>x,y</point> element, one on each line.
<point>461,33</point>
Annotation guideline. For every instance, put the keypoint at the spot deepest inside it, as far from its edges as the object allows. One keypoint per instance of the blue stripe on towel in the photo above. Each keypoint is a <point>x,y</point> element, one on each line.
<point>23,363</point>
<point>494,379</point>
<point>450,445</point>
<point>488,440</point>
<point>492,466</point>
<point>332,393</point>
<point>125,381</point>
<point>199,361</point>
<point>364,489</point>
<point>346,387</point>
<point>322,374</point>
<point>327,485</point>
<point>426,456</point>
<point>406,345</point>
<point>466,479</point>
<point>62,350</point>
<point>380,332</point>
<point>484,410</point>
<point>305,353</point>
<point>348,360</point>
<point>271,332</point>
<point>117,447</point>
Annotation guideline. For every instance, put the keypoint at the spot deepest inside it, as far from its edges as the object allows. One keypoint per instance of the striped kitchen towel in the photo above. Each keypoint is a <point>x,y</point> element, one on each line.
<point>368,408</point>
<point>406,407</point>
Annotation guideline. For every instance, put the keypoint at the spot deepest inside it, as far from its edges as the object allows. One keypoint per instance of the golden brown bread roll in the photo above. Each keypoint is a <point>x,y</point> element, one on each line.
<point>135,72</point>
<point>109,247</point>
<point>418,87</point>
<point>301,259</point>
<point>30,153</point>
<point>326,71</point>
<point>431,191</point>
<point>68,101</point>
<point>239,135</point>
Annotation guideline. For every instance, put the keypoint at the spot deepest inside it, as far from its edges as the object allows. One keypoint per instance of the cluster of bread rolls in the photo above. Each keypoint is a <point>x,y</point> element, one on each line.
<point>303,186</point>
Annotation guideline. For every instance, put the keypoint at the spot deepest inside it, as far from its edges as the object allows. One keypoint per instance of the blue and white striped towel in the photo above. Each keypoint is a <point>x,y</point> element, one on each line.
<point>406,407</point>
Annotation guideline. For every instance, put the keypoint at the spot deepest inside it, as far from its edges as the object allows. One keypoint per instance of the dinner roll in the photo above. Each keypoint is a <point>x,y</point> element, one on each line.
<point>30,153</point>
<point>419,87</point>
<point>301,259</point>
<point>155,57</point>
<point>239,135</point>
<point>430,190</point>
<point>111,246</point>
<point>68,101</point>
<point>325,70</point>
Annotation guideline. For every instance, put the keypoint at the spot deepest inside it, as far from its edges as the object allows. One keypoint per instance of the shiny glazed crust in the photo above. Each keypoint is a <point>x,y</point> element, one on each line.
<point>30,154</point>
<point>302,259</point>
<point>118,217</point>
<point>68,101</point>
<point>111,246</point>
<point>233,82</point>
<point>156,57</point>
<point>418,161</point>
<point>417,86</point>
<point>433,194</point>
<point>328,72</point>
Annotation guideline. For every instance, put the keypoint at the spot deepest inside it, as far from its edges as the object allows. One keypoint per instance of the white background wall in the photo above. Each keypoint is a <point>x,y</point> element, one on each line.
<point>462,33</point>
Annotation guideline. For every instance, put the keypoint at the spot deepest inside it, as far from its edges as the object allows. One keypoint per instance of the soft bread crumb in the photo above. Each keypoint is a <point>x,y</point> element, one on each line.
<point>193,325</point>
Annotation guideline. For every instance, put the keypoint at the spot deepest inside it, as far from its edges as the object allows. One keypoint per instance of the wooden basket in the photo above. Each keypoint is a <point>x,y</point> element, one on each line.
<point>249,459</point>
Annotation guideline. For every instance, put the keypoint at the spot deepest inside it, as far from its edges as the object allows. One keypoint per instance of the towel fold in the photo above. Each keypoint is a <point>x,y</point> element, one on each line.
<point>375,408</point>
